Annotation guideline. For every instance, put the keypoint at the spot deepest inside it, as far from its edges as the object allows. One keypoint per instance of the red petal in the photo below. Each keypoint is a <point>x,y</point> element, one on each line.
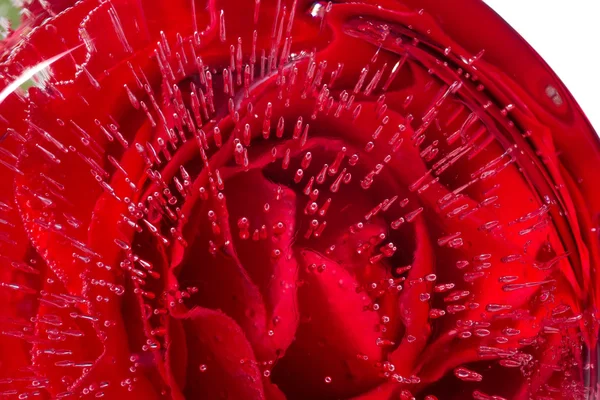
<point>413,311</point>
<point>245,278</point>
<point>547,329</point>
<point>384,391</point>
<point>494,383</point>
<point>272,391</point>
<point>21,276</point>
<point>354,251</point>
<point>177,356</point>
<point>270,262</point>
<point>21,270</point>
<point>337,331</point>
<point>221,361</point>
<point>40,10</point>
<point>53,37</point>
<point>65,340</point>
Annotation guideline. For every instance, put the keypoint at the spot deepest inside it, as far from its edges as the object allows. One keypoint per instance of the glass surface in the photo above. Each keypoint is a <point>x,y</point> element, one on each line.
<point>292,200</point>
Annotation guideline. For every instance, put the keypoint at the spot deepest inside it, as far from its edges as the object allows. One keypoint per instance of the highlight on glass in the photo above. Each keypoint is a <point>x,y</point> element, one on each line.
<point>291,199</point>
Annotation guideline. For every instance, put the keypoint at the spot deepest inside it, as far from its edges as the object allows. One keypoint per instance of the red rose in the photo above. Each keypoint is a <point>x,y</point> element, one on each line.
<point>271,200</point>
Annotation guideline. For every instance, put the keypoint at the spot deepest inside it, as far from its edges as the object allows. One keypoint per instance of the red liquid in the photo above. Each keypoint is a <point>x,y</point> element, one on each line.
<point>298,201</point>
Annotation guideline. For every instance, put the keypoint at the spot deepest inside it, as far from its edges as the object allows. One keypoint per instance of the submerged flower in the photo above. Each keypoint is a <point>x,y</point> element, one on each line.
<point>277,199</point>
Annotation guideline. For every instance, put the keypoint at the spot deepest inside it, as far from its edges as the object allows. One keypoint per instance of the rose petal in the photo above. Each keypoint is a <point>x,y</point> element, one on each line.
<point>494,245</point>
<point>65,340</point>
<point>246,279</point>
<point>336,333</point>
<point>270,262</point>
<point>221,361</point>
<point>272,391</point>
<point>148,336</point>
<point>413,310</point>
<point>452,388</point>
<point>21,269</point>
<point>176,359</point>
<point>354,252</point>
<point>54,212</point>
<point>384,391</point>
<point>20,279</point>
<point>530,339</point>
<point>52,37</point>
<point>59,241</point>
<point>533,370</point>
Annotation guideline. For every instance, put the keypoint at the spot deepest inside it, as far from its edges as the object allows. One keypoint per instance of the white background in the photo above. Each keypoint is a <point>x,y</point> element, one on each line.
<point>566,33</point>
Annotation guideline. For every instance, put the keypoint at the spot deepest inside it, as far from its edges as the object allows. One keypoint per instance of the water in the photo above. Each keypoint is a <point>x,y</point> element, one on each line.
<point>363,211</point>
